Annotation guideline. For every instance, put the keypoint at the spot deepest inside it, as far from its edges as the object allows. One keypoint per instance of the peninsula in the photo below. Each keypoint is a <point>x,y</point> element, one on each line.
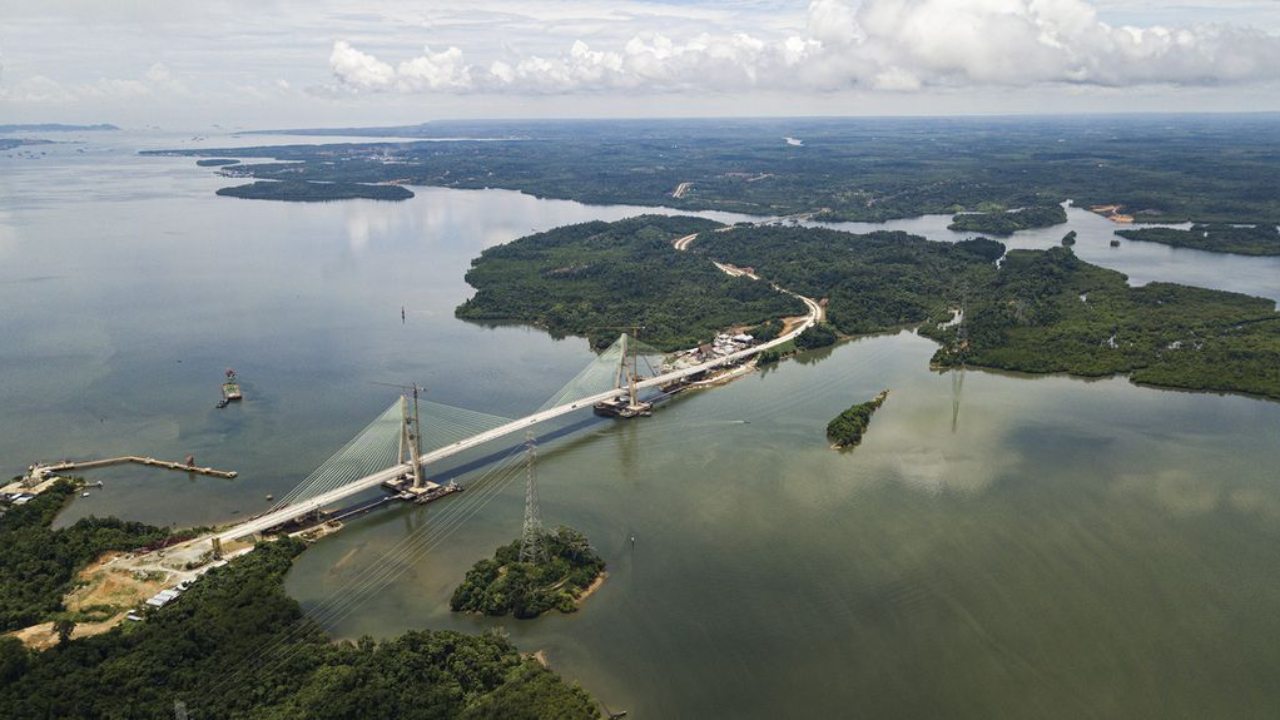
<point>1238,239</point>
<point>1038,311</point>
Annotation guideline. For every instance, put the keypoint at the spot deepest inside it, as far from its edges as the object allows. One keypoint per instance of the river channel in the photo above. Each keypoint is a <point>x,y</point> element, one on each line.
<point>999,545</point>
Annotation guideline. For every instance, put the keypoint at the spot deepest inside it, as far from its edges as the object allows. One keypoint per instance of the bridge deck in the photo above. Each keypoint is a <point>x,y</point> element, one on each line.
<point>369,482</point>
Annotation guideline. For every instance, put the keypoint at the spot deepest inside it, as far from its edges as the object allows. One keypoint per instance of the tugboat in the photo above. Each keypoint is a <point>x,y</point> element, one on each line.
<point>230,390</point>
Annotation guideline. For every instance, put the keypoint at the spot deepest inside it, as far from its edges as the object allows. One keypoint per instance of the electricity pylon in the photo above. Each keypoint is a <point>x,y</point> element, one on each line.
<point>532,547</point>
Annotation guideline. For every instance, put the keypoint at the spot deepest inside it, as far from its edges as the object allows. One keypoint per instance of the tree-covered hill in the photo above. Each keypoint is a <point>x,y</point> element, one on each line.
<point>37,563</point>
<point>236,646</point>
<point>593,278</point>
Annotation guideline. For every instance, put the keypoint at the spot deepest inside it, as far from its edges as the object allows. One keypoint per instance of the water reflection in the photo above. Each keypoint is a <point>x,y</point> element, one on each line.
<point>1026,554</point>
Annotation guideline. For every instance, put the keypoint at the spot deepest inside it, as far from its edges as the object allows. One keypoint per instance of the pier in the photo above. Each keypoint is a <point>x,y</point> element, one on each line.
<point>42,471</point>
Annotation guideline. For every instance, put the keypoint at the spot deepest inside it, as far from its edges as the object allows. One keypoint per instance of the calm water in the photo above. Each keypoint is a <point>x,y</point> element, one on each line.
<point>999,545</point>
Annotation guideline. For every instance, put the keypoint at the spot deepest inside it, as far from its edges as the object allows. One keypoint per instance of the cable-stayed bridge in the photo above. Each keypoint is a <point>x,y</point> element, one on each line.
<point>361,465</point>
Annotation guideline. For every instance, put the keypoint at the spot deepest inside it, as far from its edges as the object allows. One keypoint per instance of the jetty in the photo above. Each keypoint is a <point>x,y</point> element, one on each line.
<point>42,471</point>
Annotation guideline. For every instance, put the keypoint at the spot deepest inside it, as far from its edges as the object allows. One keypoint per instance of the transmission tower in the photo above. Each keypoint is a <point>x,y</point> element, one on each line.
<point>532,549</point>
<point>962,345</point>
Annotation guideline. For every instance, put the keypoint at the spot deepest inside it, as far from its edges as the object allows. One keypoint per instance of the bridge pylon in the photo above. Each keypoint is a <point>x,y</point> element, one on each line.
<point>627,404</point>
<point>411,437</point>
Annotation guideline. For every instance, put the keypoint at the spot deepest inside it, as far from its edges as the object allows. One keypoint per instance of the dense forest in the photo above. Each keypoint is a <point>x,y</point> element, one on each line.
<point>504,585</point>
<point>303,191</point>
<point>236,646</point>
<point>1039,311</point>
<point>37,563</point>
<point>846,429</point>
<point>816,336</point>
<point>1241,240</point>
<point>1049,311</point>
<point>873,282</point>
<point>595,278</point>
<point>1010,221</point>
<point>1201,168</point>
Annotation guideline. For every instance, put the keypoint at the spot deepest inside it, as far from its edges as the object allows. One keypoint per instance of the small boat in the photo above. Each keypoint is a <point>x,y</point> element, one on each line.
<point>230,390</point>
<point>84,494</point>
<point>270,496</point>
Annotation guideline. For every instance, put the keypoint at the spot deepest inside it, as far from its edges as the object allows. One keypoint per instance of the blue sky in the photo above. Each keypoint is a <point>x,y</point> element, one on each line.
<point>237,63</point>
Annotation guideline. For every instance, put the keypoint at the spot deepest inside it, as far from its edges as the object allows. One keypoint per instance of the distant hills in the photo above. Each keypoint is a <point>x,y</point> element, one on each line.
<point>55,127</point>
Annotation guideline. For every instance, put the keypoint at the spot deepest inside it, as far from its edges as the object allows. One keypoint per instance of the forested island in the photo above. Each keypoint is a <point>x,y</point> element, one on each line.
<point>504,585</point>
<point>846,429</point>
<point>1204,169</point>
<point>593,278</point>
<point>1238,239</point>
<point>1010,221</point>
<point>237,646</point>
<point>217,162</point>
<point>304,191</point>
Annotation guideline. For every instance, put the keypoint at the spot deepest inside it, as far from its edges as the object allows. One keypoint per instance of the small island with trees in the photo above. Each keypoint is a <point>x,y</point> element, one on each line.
<point>1008,222</point>
<point>216,162</point>
<point>846,429</point>
<point>305,191</point>
<point>569,571</point>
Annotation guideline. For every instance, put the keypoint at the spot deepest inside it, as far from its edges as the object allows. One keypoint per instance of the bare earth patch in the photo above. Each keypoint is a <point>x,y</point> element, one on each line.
<point>108,582</point>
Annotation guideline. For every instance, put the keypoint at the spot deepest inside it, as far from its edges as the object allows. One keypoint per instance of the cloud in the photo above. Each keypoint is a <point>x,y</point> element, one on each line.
<point>43,90</point>
<point>892,45</point>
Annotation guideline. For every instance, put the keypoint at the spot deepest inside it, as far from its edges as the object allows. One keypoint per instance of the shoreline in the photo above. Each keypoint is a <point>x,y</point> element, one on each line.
<point>592,588</point>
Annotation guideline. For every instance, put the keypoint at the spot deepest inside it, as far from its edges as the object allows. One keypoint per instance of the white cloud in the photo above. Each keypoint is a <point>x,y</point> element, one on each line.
<point>43,90</point>
<point>360,70</point>
<point>37,89</point>
<point>896,45</point>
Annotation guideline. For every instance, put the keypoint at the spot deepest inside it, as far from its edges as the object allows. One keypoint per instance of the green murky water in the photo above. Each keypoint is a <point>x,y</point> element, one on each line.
<point>1002,546</point>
